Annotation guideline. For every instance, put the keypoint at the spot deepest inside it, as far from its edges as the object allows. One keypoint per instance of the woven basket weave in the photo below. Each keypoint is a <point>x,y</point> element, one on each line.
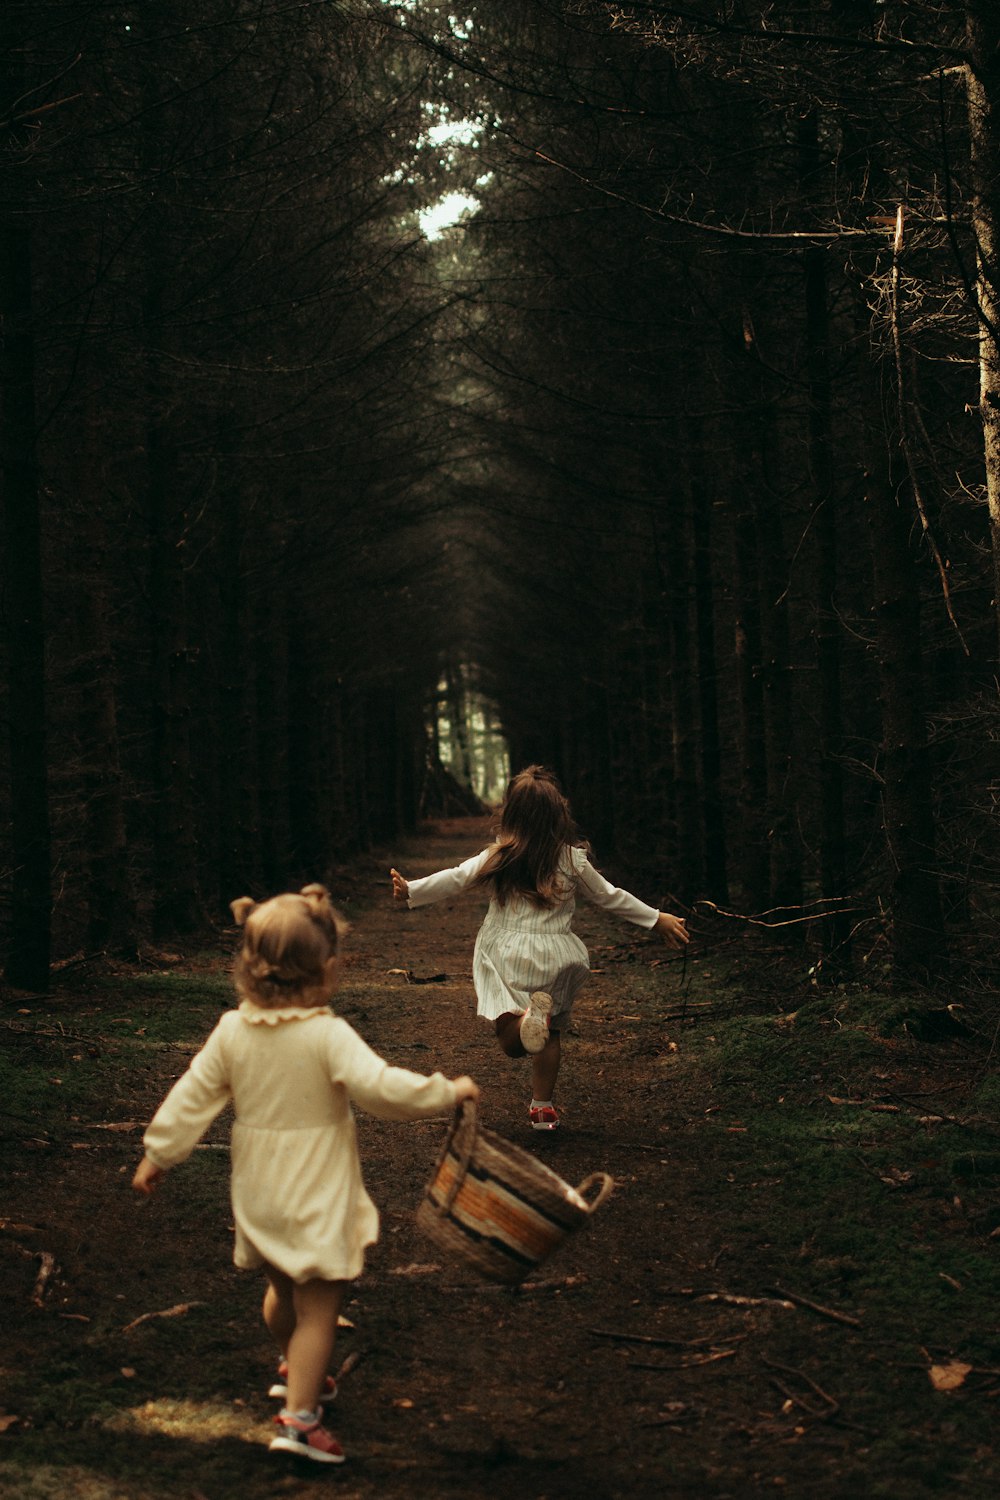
<point>497,1206</point>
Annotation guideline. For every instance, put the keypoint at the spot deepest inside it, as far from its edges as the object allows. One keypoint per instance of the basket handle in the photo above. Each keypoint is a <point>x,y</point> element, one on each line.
<point>607,1185</point>
<point>465,1116</point>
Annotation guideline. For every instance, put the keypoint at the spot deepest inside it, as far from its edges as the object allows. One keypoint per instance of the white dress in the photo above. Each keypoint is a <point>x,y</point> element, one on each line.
<point>521,947</point>
<point>298,1198</point>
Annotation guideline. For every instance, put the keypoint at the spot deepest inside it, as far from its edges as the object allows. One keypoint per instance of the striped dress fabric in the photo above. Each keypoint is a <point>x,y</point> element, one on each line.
<point>520,947</point>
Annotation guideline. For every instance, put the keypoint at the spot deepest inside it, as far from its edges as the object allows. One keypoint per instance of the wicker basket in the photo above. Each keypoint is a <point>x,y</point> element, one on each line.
<point>497,1206</point>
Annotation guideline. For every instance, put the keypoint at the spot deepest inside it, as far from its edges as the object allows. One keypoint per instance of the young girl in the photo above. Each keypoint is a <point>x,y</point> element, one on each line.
<point>528,964</point>
<point>291,1068</point>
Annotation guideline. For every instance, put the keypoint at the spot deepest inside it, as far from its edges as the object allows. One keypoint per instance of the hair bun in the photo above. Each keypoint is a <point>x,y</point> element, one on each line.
<point>317,895</point>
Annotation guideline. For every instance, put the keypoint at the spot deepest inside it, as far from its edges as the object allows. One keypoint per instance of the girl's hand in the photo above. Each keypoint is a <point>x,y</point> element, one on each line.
<point>672,929</point>
<point>400,887</point>
<point>148,1176</point>
<point>465,1088</point>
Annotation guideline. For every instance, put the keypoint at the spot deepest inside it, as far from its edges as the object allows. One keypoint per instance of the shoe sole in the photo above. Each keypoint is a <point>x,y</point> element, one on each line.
<point>291,1445</point>
<point>545,1125</point>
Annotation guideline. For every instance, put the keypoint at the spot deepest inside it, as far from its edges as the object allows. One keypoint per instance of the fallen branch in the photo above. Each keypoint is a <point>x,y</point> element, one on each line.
<point>817,1307</point>
<point>832,908</point>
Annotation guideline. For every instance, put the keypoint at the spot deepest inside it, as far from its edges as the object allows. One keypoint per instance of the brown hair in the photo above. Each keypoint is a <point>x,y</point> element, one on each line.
<point>535,826</point>
<point>287,945</point>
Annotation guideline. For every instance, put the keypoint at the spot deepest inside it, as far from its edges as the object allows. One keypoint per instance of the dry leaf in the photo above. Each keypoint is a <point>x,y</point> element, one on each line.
<point>895,1177</point>
<point>950,1376</point>
<point>7,1421</point>
<point>128,1372</point>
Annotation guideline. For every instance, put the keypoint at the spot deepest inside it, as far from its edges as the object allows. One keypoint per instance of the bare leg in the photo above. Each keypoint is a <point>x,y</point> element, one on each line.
<point>310,1348</point>
<point>545,1067</point>
<point>544,1064</point>
<point>302,1319</point>
<point>279,1308</point>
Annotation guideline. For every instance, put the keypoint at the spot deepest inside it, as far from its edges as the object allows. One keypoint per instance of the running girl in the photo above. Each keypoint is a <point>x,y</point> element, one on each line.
<point>528,965</point>
<point>291,1069</point>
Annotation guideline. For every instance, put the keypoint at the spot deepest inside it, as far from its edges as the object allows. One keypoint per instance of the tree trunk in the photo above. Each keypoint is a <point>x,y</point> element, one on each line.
<point>111,912</point>
<point>832,851</point>
<point>676,572</point>
<point>707,673</point>
<point>908,818</point>
<point>752,853</point>
<point>983,85</point>
<point>29,950</point>
<point>832,838</point>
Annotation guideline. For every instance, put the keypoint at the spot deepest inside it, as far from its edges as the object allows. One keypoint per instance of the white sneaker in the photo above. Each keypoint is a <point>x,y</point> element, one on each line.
<point>534,1028</point>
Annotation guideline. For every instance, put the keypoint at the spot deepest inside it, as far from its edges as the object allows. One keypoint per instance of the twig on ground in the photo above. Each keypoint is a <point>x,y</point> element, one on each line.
<point>733,1299</point>
<point>350,1363</point>
<point>817,1307</point>
<point>684,1364</point>
<point>831,1407</point>
<point>169,1312</point>
<point>646,1338</point>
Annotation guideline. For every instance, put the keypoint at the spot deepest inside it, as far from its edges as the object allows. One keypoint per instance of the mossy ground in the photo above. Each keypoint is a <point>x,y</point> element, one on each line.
<point>771,1142</point>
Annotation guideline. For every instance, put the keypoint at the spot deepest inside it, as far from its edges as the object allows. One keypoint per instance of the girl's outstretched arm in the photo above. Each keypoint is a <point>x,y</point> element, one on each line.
<point>440,886</point>
<point>672,929</point>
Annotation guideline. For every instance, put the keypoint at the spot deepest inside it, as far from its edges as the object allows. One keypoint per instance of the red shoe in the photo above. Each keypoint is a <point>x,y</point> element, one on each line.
<point>307,1439</point>
<point>543,1117</point>
<point>280,1386</point>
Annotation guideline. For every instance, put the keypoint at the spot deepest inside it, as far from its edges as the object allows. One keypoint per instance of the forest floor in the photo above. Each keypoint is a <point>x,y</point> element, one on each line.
<point>792,1290</point>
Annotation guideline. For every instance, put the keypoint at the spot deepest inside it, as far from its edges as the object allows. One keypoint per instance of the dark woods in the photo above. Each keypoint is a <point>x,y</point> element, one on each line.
<point>683,450</point>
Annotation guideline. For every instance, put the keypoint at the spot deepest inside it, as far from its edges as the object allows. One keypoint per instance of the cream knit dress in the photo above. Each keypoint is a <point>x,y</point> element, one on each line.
<point>298,1198</point>
<point>521,947</point>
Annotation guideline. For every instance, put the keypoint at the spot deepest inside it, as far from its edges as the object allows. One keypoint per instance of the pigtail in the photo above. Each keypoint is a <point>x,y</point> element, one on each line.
<point>325,914</point>
<point>241,909</point>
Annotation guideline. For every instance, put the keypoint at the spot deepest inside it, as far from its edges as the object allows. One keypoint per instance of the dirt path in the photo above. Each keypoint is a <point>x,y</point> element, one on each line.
<point>602,1378</point>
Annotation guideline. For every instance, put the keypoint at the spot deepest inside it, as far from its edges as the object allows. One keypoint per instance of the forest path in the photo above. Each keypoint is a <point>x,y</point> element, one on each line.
<point>607,1375</point>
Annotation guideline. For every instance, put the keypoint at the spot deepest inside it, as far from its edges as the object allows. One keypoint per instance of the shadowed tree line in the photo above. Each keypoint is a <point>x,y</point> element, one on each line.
<point>684,447</point>
<point>733,351</point>
<point>216,315</point>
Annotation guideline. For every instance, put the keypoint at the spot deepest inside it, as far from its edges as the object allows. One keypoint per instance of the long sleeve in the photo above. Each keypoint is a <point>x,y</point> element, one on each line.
<point>612,898</point>
<point>445,883</point>
<point>387,1092</point>
<point>196,1099</point>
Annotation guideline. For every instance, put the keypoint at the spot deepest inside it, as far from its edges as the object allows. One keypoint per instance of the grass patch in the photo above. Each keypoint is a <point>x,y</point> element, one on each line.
<point>864,1199</point>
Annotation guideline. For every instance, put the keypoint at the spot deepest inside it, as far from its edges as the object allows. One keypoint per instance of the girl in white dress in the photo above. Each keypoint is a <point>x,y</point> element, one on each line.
<point>291,1068</point>
<point>528,964</point>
